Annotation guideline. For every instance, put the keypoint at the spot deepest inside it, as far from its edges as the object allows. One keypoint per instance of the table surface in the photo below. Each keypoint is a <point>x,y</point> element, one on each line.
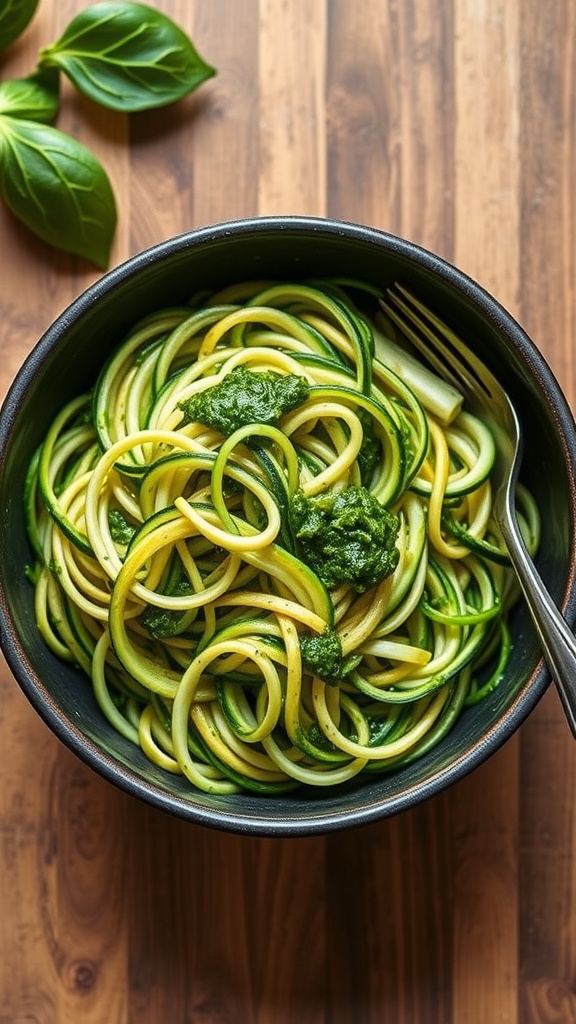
<point>453,123</point>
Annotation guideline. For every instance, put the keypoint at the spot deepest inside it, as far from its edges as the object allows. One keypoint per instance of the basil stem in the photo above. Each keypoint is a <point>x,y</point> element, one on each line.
<point>14,17</point>
<point>57,188</point>
<point>34,98</point>
<point>127,56</point>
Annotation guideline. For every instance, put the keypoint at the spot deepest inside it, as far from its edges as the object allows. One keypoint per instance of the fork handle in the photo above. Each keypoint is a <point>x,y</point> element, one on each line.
<point>556,638</point>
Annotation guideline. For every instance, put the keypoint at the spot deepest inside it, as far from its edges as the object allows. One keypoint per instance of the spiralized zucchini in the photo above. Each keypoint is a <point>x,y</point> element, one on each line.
<point>220,564</point>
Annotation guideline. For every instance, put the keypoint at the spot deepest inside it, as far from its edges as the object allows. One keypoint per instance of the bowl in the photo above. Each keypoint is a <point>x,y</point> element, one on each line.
<point>66,360</point>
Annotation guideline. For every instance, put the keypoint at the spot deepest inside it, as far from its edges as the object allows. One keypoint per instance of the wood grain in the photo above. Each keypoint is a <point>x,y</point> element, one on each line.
<point>548,309</point>
<point>292,132</point>
<point>452,122</point>
<point>486,245</point>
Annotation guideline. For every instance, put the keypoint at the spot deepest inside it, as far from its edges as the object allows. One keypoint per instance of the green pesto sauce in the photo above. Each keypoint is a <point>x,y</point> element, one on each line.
<point>346,537</point>
<point>246,396</point>
<point>322,654</point>
<point>121,530</point>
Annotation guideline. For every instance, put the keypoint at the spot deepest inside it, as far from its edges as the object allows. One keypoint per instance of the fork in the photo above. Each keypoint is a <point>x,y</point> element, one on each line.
<point>454,361</point>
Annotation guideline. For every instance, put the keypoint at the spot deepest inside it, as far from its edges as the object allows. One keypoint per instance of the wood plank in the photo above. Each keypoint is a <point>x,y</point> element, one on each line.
<point>548,822</point>
<point>27,972</point>
<point>287,931</point>
<point>363,173</point>
<point>390,890</point>
<point>81,888</point>
<point>547,905</point>
<point>487,145</point>
<point>484,823</point>
<point>188,907</point>
<point>390,920</point>
<point>548,142</point>
<point>291,114</point>
<point>223,141</point>
<point>486,224</point>
<point>390,118</point>
<point>59,831</point>
<point>196,162</point>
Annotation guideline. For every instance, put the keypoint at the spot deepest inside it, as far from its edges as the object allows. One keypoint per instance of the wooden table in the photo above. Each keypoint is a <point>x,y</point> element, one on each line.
<point>451,122</point>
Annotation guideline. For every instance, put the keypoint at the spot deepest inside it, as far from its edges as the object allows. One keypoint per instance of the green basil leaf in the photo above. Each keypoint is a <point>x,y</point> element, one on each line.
<point>14,16</point>
<point>57,188</point>
<point>127,56</point>
<point>34,98</point>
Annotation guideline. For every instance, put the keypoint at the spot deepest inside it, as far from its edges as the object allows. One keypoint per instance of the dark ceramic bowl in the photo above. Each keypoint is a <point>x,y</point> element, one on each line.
<point>65,362</point>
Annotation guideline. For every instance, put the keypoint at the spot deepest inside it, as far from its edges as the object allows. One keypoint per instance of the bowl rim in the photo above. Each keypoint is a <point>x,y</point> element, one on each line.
<point>365,810</point>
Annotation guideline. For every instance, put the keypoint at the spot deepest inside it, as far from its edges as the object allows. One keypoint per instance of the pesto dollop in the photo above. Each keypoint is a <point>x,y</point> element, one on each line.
<point>322,654</point>
<point>346,537</point>
<point>246,396</point>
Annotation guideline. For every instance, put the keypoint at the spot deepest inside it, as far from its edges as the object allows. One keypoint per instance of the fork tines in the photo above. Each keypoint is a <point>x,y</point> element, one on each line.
<point>434,340</point>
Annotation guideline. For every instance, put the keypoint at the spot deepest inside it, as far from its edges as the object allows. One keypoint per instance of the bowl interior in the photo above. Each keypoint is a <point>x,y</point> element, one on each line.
<point>65,362</point>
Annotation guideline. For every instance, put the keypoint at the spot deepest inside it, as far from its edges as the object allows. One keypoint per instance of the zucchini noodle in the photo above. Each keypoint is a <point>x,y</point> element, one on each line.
<point>266,535</point>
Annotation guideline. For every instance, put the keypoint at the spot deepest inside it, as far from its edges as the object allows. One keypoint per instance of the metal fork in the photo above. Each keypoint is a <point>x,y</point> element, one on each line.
<point>453,360</point>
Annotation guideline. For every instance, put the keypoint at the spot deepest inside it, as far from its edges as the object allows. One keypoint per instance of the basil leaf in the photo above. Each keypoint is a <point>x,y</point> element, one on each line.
<point>14,16</point>
<point>57,188</point>
<point>127,56</point>
<point>34,97</point>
